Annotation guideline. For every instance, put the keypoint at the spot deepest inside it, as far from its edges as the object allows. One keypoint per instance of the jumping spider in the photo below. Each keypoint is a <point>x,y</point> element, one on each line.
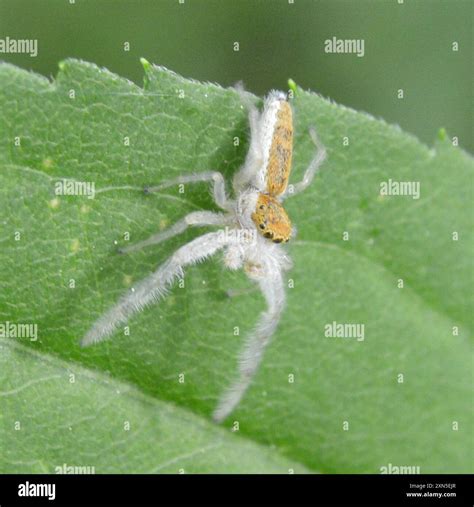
<point>255,224</point>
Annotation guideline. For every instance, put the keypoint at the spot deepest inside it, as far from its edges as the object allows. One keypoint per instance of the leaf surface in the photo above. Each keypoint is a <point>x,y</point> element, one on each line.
<point>353,405</point>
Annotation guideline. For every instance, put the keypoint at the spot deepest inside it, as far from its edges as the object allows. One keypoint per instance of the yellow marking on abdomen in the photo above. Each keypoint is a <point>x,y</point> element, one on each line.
<point>281,149</point>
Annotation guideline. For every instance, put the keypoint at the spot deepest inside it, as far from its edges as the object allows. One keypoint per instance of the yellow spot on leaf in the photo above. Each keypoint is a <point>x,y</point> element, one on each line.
<point>170,301</point>
<point>47,163</point>
<point>75,245</point>
<point>54,203</point>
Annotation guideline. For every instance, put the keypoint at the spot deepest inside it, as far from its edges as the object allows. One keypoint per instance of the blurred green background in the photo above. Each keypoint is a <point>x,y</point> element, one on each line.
<point>408,45</point>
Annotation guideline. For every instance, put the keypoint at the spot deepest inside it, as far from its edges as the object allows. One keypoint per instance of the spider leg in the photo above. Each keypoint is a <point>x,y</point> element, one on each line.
<point>254,114</point>
<point>254,158</point>
<point>156,285</point>
<point>196,218</point>
<point>252,353</point>
<point>312,169</point>
<point>219,193</point>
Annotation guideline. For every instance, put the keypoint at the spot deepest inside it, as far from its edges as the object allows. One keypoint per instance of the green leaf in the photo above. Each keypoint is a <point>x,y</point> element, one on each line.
<point>122,430</point>
<point>59,269</point>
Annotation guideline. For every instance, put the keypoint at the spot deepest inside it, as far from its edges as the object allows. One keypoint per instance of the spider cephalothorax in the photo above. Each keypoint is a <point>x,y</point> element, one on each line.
<point>271,219</point>
<point>254,225</point>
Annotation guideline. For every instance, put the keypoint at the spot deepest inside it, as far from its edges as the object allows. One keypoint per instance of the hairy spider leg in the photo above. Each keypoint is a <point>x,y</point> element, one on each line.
<point>196,218</point>
<point>219,193</point>
<point>254,158</point>
<point>273,290</point>
<point>156,285</point>
<point>311,170</point>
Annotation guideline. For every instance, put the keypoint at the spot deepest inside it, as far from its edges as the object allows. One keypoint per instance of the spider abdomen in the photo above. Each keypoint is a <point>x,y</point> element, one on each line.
<point>280,152</point>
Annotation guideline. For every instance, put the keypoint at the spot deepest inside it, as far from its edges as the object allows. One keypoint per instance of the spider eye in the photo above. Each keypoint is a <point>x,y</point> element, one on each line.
<point>262,206</point>
<point>262,226</point>
<point>268,235</point>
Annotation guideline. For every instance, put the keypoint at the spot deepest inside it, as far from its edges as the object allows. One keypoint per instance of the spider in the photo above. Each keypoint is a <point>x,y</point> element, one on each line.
<point>253,226</point>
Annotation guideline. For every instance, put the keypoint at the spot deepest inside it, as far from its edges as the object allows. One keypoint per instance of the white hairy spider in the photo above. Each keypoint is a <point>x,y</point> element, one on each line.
<point>254,224</point>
